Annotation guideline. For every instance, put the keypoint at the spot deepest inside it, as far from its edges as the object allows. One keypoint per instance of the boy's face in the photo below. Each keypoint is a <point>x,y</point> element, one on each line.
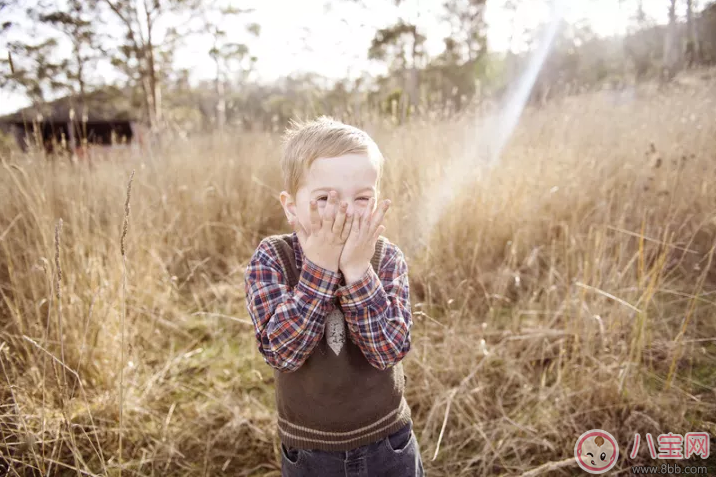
<point>354,177</point>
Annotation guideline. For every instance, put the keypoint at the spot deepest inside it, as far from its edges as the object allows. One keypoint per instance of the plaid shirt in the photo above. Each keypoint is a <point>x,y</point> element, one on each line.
<point>290,322</point>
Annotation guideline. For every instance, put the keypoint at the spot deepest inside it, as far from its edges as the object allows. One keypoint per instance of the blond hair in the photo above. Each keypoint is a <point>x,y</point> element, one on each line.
<point>306,141</point>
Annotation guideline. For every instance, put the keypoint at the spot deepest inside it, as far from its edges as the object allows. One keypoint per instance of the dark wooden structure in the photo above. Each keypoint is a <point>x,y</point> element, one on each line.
<point>103,118</point>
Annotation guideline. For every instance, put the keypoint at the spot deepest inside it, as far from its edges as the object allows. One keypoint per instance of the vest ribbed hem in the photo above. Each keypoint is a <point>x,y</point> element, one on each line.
<point>302,437</point>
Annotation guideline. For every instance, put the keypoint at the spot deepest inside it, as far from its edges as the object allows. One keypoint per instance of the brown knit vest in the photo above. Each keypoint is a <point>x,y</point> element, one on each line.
<point>336,402</point>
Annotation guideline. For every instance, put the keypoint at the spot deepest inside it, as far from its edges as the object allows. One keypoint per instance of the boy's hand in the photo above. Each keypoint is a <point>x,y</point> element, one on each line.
<point>360,246</point>
<point>323,243</point>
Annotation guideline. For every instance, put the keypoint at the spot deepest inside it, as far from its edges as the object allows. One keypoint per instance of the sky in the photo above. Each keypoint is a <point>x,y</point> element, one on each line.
<point>332,37</point>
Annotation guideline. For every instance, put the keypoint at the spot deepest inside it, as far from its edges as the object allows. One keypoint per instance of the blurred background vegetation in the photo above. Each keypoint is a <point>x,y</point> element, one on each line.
<point>53,49</point>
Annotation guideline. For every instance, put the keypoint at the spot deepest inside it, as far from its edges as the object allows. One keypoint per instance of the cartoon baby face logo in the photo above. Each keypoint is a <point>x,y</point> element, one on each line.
<point>596,451</point>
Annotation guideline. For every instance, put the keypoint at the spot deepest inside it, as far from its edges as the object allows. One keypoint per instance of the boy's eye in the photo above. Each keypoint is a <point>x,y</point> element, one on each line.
<point>325,197</point>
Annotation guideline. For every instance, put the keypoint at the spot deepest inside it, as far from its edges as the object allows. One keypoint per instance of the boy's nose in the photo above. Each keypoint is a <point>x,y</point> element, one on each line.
<point>355,207</point>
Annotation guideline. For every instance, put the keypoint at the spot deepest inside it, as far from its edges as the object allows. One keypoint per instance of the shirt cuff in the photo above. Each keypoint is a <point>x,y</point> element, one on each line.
<point>361,291</point>
<point>316,281</point>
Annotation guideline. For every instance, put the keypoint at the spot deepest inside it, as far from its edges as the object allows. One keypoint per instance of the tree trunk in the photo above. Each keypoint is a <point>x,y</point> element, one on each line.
<point>221,102</point>
<point>80,72</point>
<point>151,71</point>
<point>412,79</point>
<point>413,86</point>
<point>404,96</point>
<point>670,50</point>
<point>692,41</point>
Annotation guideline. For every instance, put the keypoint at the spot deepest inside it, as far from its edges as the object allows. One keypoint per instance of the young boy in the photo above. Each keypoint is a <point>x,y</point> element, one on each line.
<point>330,304</point>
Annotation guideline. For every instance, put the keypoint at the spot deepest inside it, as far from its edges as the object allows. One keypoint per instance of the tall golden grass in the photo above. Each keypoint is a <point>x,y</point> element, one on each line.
<point>574,288</point>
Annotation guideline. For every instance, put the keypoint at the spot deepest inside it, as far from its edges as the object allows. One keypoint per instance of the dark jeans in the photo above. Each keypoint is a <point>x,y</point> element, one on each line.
<point>398,455</point>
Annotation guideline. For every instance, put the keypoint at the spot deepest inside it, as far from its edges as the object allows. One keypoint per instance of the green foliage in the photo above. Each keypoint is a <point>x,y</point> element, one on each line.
<point>392,102</point>
<point>5,25</point>
<point>33,69</point>
<point>144,52</point>
<point>469,30</point>
<point>76,25</point>
<point>399,45</point>
<point>490,70</point>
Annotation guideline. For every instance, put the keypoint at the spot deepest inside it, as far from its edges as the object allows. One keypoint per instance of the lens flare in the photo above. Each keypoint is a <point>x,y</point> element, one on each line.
<point>483,150</point>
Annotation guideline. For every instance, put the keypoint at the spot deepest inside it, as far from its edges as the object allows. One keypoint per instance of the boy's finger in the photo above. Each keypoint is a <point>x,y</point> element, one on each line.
<point>367,218</point>
<point>370,209</point>
<point>347,227</point>
<point>379,216</point>
<point>340,221</point>
<point>329,212</point>
<point>367,213</point>
<point>315,217</point>
<point>378,232</point>
<point>355,228</point>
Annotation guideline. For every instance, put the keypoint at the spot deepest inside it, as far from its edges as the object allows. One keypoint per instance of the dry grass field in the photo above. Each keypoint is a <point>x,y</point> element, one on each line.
<point>574,288</point>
